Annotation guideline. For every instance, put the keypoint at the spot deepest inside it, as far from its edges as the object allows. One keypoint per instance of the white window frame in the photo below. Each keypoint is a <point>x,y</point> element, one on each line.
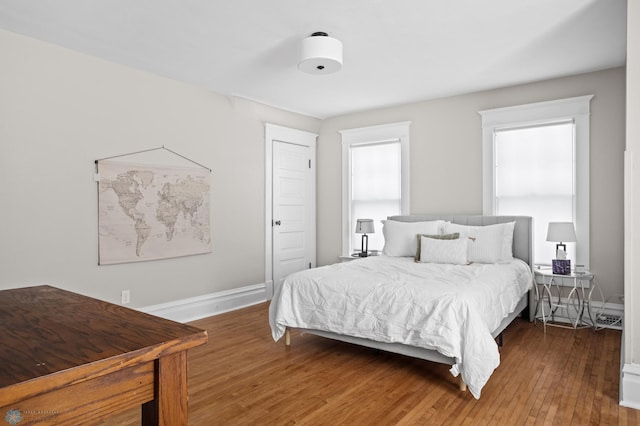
<point>576,109</point>
<point>365,136</point>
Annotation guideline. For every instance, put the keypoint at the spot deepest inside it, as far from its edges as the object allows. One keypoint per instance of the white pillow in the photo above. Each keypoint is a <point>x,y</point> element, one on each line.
<point>400,237</point>
<point>434,250</point>
<point>489,244</point>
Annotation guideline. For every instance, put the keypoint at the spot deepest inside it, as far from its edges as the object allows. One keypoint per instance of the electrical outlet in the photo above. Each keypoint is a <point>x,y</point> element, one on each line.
<point>125,297</point>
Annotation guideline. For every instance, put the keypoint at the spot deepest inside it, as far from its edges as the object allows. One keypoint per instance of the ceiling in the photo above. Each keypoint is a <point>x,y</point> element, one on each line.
<point>395,51</point>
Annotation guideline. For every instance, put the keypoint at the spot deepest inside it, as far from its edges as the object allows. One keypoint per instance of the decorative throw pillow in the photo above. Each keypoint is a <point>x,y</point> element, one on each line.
<point>453,236</point>
<point>433,250</point>
<point>400,237</point>
<point>488,244</point>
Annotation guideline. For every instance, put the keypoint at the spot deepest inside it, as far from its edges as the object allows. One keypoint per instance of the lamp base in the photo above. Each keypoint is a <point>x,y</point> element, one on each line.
<point>365,246</point>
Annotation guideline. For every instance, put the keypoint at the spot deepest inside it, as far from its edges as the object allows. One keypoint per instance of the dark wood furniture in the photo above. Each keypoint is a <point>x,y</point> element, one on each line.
<point>70,359</point>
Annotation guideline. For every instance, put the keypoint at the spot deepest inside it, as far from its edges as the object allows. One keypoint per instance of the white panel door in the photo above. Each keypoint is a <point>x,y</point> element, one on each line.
<point>293,205</point>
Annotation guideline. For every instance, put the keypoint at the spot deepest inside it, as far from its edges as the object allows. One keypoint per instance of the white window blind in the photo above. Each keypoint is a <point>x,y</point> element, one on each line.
<point>535,176</point>
<point>376,190</point>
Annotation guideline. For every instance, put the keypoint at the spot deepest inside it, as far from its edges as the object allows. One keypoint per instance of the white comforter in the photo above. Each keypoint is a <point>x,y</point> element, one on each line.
<point>452,309</point>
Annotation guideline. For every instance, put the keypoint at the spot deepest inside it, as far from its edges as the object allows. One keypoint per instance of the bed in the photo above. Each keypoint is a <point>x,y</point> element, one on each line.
<point>429,295</point>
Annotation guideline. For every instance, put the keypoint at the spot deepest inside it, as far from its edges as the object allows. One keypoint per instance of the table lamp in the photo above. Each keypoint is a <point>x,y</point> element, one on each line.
<point>364,227</point>
<point>560,233</point>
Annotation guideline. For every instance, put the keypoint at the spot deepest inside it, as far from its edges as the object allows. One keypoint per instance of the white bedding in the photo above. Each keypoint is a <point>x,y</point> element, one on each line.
<point>450,308</point>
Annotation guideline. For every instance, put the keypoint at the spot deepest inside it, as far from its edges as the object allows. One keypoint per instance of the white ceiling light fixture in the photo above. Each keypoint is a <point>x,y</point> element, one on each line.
<point>321,54</point>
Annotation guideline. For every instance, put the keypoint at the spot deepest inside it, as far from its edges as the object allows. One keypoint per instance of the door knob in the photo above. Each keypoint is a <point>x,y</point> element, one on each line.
<point>278,223</point>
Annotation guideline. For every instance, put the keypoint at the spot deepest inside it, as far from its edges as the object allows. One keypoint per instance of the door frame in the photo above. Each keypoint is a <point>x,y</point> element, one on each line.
<point>273,133</point>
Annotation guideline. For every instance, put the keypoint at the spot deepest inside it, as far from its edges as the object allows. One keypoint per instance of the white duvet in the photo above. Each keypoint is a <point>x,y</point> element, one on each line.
<point>450,308</point>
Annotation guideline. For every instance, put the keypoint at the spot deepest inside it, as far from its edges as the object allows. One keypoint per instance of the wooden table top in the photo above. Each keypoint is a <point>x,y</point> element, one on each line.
<point>47,331</point>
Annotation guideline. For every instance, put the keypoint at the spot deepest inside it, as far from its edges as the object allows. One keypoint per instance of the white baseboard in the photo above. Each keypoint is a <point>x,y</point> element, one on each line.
<point>269,289</point>
<point>630,386</point>
<point>207,305</point>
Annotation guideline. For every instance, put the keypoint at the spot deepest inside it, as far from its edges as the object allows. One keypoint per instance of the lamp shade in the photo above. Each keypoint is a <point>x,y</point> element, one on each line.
<point>562,232</point>
<point>365,226</point>
<point>321,54</point>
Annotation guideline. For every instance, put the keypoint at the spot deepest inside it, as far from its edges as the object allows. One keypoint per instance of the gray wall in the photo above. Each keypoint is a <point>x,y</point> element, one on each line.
<point>60,111</point>
<point>446,160</point>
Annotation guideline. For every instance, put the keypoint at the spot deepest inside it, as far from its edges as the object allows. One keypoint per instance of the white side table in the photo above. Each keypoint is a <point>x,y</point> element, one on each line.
<point>550,304</point>
<point>355,256</point>
<point>347,258</point>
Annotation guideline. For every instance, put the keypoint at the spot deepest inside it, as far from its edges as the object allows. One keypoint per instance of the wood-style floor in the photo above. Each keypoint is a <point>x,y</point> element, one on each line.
<point>243,377</point>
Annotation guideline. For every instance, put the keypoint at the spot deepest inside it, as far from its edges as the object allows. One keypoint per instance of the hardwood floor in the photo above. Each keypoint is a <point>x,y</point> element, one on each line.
<point>243,377</point>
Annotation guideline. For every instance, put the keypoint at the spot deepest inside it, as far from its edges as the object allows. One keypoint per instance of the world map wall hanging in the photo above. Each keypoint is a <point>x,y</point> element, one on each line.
<point>150,212</point>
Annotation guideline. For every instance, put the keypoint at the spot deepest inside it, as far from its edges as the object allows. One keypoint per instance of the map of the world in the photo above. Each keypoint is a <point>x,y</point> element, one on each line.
<point>149,212</point>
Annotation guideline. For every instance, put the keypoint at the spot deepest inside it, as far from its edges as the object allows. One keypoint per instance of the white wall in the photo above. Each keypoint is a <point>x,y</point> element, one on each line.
<point>632,340</point>
<point>446,160</point>
<point>60,111</point>
<point>631,353</point>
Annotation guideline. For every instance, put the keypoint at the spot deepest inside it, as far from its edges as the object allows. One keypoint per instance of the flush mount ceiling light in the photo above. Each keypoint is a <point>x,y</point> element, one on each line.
<point>321,54</point>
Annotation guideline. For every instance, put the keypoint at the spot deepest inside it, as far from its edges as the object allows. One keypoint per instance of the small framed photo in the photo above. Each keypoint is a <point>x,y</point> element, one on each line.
<point>561,266</point>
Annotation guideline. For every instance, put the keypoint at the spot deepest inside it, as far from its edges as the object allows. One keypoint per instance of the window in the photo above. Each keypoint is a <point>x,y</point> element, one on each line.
<point>534,176</point>
<point>536,163</point>
<point>375,179</point>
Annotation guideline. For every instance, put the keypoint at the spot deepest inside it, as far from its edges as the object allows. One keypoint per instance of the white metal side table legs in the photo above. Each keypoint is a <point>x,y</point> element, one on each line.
<point>552,306</point>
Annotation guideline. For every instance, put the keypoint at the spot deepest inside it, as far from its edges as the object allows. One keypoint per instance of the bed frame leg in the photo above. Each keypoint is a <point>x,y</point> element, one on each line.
<point>462,385</point>
<point>287,337</point>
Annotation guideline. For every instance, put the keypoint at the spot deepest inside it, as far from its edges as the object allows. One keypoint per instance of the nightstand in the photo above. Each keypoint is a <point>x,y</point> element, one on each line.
<point>564,298</point>
<point>347,258</point>
<point>355,256</point>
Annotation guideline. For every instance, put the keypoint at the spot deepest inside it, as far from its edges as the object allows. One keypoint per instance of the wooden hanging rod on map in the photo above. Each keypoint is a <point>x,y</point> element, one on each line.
<point>153,149</point>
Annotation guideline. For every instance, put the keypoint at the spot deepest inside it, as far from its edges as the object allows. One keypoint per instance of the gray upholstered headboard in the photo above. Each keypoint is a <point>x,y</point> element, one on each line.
<point>522,233</point>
